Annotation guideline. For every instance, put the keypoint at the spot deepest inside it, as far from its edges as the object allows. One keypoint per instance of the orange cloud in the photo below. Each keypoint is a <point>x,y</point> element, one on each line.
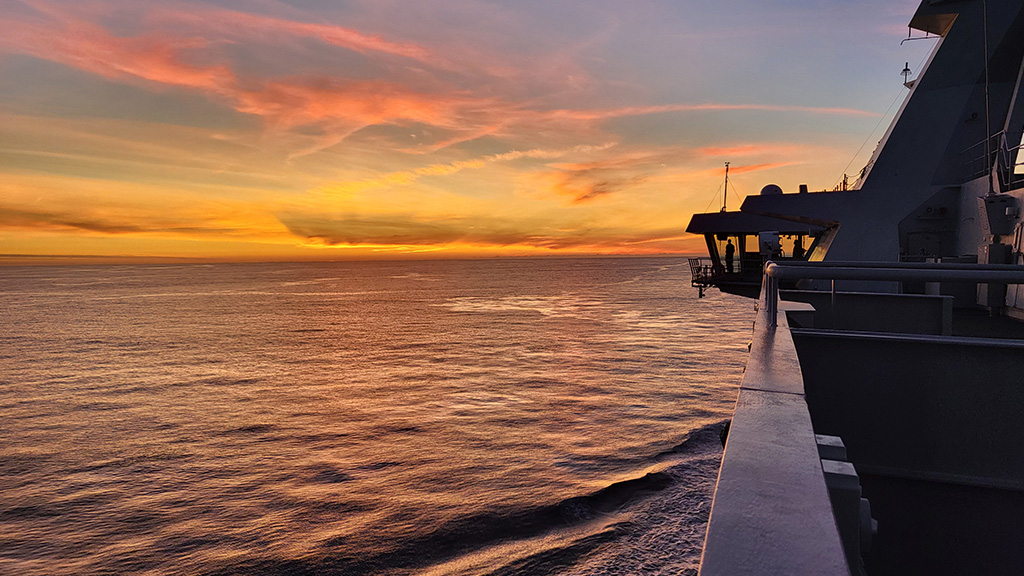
<point>90,207</point>
<point>408,230</point>
<point>409,176</point>
<point>587,181</point>
<point>587,186</point>
<point>102,224</point>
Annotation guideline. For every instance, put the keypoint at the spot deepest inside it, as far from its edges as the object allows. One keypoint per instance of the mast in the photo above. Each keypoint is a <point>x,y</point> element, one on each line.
<point>725,193</point>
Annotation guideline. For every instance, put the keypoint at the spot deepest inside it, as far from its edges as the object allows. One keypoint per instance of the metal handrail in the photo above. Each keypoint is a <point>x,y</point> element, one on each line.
<point>1003,154</point>
<point>882,271</point>
<point>971,164</point>
<point>704,269</point>
<point>1005,163</point>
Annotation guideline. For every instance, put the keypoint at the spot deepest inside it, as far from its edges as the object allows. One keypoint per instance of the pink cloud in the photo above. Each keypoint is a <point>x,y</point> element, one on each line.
<point>600,114</point>
<point>742,150</point>
<point>184,55</point>
<point>738,169</point>
<point>760,149</point>
<point>234,24</point>
<point>89,47</point>
<point>160,60</point>
<point>625,161</point>
<point>295,102</point>
<point>758,167</point>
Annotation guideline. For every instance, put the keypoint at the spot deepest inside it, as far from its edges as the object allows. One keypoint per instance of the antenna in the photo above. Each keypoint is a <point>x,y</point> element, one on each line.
<point>725,193</point>
<point>988,117</point>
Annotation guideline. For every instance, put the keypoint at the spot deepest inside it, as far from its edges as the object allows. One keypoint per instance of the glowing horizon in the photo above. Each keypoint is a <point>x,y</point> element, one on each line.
<point>267,131</point>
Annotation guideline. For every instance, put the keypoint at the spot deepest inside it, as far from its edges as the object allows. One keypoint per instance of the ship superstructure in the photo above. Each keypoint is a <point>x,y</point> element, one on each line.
<point>878,424</point>
<point>946,182</point>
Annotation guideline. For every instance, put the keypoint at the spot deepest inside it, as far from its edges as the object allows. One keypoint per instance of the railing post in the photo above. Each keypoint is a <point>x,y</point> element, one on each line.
<point>771,295</point>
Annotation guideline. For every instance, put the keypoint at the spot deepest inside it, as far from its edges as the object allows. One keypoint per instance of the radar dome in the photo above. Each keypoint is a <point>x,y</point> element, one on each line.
<point>771,190</point>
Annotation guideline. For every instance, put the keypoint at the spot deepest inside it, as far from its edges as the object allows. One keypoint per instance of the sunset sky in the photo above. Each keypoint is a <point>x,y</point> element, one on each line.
<point>322,129</point>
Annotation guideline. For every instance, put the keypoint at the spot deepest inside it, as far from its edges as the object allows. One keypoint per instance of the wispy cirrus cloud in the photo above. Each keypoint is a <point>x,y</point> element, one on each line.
<point>586,186</point>
<point>326,108</point>
<point>159,60</point>
<point>182,49</point>
<point>91,48</point>
<point>238,25</point>
<point>193,19</point>
<point>405,177</point>
<point>588,180</point>
<point>758,149</point>
<point>743,168</point>
<point>583,182</point>
<point>603,114</point>
<point>715,174</point>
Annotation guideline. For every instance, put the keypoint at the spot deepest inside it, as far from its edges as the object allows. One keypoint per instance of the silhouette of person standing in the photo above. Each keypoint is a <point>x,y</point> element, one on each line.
<point>798,248</point>
<point>730,253</point>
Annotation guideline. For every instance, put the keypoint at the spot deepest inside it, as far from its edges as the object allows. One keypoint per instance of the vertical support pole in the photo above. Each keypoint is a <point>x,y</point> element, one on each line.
<point>771,294</point>
<point>988,116</point>
<point>833,302</point>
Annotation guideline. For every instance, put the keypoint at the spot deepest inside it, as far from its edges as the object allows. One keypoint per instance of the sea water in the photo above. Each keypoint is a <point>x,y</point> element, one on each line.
<point>548,416</point>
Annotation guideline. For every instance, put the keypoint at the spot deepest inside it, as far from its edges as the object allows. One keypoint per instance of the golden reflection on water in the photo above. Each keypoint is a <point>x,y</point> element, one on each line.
<point>285,418</point>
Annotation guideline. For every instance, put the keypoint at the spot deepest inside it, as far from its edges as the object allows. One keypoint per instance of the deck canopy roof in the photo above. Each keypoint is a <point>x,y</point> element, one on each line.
<point>934,16</point>
<point>739,223</point>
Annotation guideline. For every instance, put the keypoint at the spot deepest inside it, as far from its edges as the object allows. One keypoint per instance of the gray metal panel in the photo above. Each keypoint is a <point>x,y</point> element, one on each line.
<point>918,406</point>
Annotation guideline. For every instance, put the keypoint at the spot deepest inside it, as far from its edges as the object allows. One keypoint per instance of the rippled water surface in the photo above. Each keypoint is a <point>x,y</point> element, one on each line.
<point>457,417</point>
